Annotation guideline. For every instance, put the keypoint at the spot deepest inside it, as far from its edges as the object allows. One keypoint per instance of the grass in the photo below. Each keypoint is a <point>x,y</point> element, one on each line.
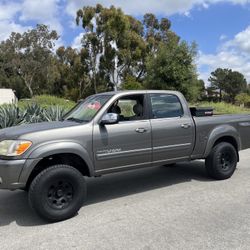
<point>223,108</point>
<point>46,101</point>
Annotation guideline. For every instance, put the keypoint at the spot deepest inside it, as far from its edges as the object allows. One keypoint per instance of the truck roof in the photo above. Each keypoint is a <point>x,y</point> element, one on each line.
<point>138,92</point>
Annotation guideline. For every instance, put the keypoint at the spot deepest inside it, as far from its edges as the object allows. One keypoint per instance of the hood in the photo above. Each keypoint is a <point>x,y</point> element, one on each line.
<point>16,131</point>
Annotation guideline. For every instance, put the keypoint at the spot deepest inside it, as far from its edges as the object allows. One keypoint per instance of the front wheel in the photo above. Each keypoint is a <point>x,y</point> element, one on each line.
<point>57,193</point>
<point>222,161</point>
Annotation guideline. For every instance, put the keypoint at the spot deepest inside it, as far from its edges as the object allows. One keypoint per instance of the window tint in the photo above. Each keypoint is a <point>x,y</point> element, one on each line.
<point>129,108</point>
<point>165,106</point>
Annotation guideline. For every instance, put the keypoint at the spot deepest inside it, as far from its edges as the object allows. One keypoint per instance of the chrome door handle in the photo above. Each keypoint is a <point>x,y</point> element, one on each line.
<point>140,130</point>
<point>186,125</point>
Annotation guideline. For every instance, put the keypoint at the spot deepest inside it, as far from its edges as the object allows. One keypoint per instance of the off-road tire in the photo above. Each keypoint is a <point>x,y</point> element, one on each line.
<point>222,161</point>
<point>57,193</point>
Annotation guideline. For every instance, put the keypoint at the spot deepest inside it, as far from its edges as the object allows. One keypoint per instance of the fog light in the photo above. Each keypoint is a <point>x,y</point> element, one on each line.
<point>1,181</point>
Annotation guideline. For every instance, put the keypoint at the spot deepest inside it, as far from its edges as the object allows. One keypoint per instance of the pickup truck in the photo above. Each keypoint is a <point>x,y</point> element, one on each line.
<point>111,132</point>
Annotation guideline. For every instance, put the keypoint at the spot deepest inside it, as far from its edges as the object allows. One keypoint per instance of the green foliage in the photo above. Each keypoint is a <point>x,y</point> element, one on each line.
<point>73,79</point>
<point>27,57</point>
<point>171,67</point>
<point>38,109</point>
<point>114,41</point>
<point>131,84</point>
<point>54,113</point>
<point>243,99</point>
<point>223,108</point>
<point>118,51</point>
<point>46,101</point>
<point>230,82</point>
<point>10,115</point>
<point>33,113</point>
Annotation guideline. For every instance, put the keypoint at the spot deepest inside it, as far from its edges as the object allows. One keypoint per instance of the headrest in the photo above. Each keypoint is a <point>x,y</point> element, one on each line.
<point>138,110</point>
<point>116,109</point>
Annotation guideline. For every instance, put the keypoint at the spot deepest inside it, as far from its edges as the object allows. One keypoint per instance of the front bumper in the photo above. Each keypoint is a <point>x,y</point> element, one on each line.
<point>10,171</point>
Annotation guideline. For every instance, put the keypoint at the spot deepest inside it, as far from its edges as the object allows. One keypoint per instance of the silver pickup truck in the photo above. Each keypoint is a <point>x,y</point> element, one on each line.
<point>111,132</point>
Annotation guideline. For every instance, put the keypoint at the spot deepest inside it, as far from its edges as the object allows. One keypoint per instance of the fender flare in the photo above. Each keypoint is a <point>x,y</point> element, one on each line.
<point>220,132</point>
<point>52,148</point>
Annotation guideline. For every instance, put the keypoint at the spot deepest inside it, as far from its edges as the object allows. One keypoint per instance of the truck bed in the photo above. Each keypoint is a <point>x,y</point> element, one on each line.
<point>221,123</point>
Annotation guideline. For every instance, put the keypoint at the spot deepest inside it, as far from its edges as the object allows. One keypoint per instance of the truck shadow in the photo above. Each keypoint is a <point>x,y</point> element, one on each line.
<point>14,205</point>
<point>141,180</point>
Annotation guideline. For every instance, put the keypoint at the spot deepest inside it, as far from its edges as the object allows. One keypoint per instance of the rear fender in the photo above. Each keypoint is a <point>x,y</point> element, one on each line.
<point>220,132</point>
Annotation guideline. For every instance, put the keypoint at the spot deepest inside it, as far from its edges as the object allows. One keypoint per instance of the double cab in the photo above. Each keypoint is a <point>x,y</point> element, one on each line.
<point>111,132</point>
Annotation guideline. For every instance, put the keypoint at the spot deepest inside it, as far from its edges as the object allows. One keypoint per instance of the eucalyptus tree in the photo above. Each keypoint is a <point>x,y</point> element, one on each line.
<point>73,72</point>
<point>29,55</point>
<point>114,42</point>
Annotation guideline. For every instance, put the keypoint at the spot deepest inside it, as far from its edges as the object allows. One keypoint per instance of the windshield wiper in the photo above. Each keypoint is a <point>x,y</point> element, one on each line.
<point>75,120</point>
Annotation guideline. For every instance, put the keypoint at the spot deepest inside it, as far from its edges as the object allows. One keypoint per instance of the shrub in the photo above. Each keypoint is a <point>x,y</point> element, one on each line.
<point>46,101</point>
<point>223,108</point>
<point>243,99</point>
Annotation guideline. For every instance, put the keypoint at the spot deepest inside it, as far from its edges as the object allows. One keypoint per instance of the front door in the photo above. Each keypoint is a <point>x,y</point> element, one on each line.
<point>126,144</point>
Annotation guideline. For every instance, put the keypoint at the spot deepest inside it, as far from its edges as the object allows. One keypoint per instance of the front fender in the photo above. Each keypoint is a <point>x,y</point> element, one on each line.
<point>219,132</point>
<point>53,148</point>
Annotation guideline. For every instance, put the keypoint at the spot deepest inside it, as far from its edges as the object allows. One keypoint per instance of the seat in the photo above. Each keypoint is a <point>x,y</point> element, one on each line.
<point>138,110</point>
<point>115,109</point>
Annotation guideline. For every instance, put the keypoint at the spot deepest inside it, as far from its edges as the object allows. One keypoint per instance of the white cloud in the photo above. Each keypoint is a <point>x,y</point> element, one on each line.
<point>6,27</point>
<point>14,13</point>
<point>242,40</point>
<point>42,11</point>
<point>166,7</point>
<point>8,10</point>
<point>233,54</point>
<point>77,41</point>
<point>223,37</point>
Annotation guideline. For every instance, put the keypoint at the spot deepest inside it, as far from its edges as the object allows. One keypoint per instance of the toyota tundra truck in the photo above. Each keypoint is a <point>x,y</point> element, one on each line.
<point>112,132</point>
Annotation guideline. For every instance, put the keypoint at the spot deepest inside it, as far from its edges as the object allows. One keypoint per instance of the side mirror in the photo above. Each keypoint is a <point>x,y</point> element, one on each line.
<point>110,118</point>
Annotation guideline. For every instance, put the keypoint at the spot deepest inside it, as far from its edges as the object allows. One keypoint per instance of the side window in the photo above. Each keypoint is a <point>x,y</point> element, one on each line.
<point>129,108</point>
<point>165,106</point>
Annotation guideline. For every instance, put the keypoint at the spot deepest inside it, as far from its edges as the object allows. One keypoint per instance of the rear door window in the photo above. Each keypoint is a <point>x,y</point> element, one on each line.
<point>165,106</point>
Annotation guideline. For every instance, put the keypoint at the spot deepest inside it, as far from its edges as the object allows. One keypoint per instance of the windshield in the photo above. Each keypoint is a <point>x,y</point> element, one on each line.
<point>86,110</point>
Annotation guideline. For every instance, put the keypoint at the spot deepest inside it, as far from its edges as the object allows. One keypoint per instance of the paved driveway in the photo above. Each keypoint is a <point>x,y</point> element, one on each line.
<point>155,208</point>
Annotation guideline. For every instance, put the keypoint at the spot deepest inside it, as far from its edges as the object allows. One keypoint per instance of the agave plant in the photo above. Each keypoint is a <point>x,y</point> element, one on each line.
<point>34,113</point>
<point>54,113</point>
<point>10,115</point>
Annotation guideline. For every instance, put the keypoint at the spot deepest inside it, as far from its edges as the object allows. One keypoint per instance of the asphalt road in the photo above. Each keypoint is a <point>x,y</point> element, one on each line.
<point>154,208</point>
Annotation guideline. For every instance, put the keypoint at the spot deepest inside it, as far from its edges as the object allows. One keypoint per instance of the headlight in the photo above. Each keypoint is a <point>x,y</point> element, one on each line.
<point>14,147</point>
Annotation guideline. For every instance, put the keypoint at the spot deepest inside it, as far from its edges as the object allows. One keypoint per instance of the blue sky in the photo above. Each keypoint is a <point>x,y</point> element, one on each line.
<point>221,28</point>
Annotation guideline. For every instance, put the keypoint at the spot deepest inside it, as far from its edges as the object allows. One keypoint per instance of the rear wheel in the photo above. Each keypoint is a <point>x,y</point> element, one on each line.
<point>222,161</point>
<point>57,193</point>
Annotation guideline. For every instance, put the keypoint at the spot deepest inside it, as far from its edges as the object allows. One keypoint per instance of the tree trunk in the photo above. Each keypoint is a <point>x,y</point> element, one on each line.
<point>31,91</point>
<point>28,85</point>
<point>95,89</point>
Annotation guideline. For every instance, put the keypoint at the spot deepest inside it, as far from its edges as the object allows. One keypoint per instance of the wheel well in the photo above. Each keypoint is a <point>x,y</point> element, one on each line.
<point>69,159</point>
<point>230,140</point>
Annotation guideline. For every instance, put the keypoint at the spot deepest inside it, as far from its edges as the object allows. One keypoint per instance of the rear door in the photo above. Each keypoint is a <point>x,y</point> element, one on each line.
<point>172,129</point>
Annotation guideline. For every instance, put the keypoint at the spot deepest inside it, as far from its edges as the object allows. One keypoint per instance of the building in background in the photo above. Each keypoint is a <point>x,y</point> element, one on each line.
<point>7,96</point>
